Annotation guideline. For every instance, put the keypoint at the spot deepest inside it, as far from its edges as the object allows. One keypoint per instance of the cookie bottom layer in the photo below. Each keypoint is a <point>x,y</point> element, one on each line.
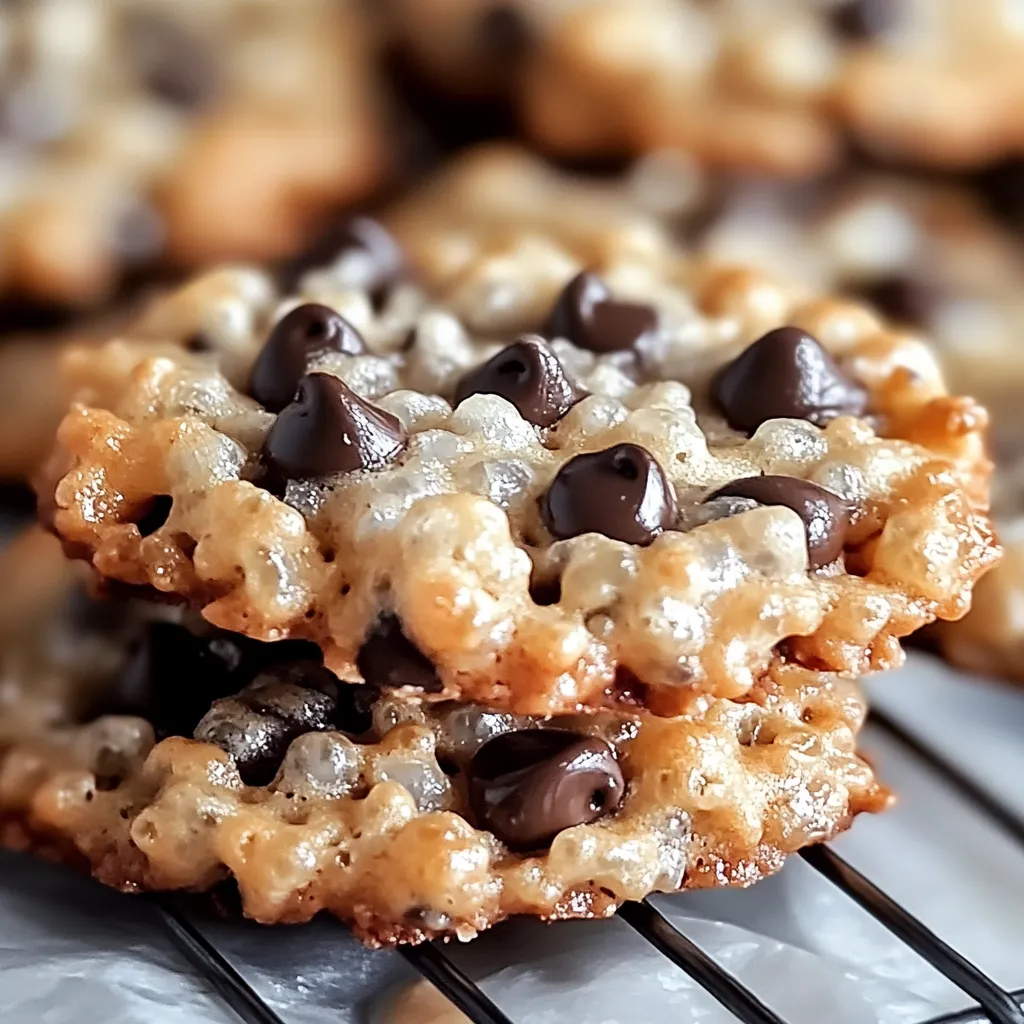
<point>381,832</point>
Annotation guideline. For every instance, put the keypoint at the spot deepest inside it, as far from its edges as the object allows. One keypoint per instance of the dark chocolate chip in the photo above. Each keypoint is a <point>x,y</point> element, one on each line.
<point>256,725</point>
<point>590,318</point>
<point>825,515</point>
<point>389,659</point>
<point>525,787</point>
<point>786,373</point>
<point>155,515</point>
<point>330,429</point>
<point>862,20</point>
<point>383,262</point>
<point>306,331</point>
<point>175,65</point>
<point>169,678</point>
<point>620,492</point>
<point>503,35</point>
<point>530,376</point>
<point>903,298</point>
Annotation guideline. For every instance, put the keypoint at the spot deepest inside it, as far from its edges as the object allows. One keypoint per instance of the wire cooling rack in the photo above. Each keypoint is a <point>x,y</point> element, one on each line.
<point>991,1001</point>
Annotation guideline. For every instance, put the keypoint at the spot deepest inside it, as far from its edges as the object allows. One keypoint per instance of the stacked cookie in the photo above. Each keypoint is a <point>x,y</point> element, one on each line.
<point>515,550</point>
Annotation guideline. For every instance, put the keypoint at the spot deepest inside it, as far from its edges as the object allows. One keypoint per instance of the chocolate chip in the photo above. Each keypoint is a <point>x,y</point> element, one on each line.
<point>530,376</point>
<point>305,331</point>
<point>786,373</point>
<point>377,259</point>
<point>620,492</point>
<point>389,659</point>
<point>525,787</point>
<point>902,298</point>
<point>169,678</point>
<point>256,725</point>
<point>330,429</point>
<point>861,20</point>
<point>174,64</point>
<point>590,318</point>
<point>826,516</point>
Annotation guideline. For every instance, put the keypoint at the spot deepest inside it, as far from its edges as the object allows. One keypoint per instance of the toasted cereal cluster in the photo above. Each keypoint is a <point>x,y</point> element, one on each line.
<point>689,477</point>
<point>406,820</point>
<point>766,86</point>
<point>138,129</point>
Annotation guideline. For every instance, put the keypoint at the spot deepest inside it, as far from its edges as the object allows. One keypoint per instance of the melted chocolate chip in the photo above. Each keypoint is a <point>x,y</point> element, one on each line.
<point>786,373</point>
<point>526,787</point>
<point>590,318</point>
<point>330,429</point>
<point>379,258</point>
<point>389,659</point>
<point>825,515</point>
<point>175,65</point>
<point>256,726</point>
<point>620,492</point>
<point>530,376</point>
<point>903,299</point>
<point>862,20</point>
<point>169,678</point>
<point>298,335</point>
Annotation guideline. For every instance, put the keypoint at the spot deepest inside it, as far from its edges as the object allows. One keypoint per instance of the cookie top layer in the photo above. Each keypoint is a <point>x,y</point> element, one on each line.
<point>739,82</point>
<point>141,129</point>
<point>214,756</point>
<point>659,477</point>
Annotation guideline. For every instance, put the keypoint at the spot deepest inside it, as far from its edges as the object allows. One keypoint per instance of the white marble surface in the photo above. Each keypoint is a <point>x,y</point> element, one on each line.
<point>72,952</point>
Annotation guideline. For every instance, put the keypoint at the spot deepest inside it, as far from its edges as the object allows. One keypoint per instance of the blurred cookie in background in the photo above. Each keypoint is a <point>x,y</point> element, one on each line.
<point>774,87</point>
<point>140,132</point>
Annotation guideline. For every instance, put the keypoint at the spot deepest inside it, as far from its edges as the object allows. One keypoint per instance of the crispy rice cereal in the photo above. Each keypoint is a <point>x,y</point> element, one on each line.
<point>595,541</point>
<point>766,86</point>
<point>144,129</point>
<point>368,811</point>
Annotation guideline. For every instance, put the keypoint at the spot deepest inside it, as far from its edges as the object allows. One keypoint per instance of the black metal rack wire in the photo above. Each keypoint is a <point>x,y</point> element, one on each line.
<point>991,1002</point>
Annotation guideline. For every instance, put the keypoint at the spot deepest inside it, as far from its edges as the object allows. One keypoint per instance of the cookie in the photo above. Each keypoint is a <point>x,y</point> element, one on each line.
<point>934,259</point>
<point>769,87</point>
<point>540,488</point>
<point>138,131</point>
<point>162,757</point>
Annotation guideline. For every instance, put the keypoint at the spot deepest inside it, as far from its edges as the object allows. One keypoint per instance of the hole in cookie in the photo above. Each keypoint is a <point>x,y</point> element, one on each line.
<point>808,715</point>
<point>328,556</point>
<point>198,342</point>
<point>546,592</point>
<point>597,800</point>
<point>155,514</point>
<point>345,589</point>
